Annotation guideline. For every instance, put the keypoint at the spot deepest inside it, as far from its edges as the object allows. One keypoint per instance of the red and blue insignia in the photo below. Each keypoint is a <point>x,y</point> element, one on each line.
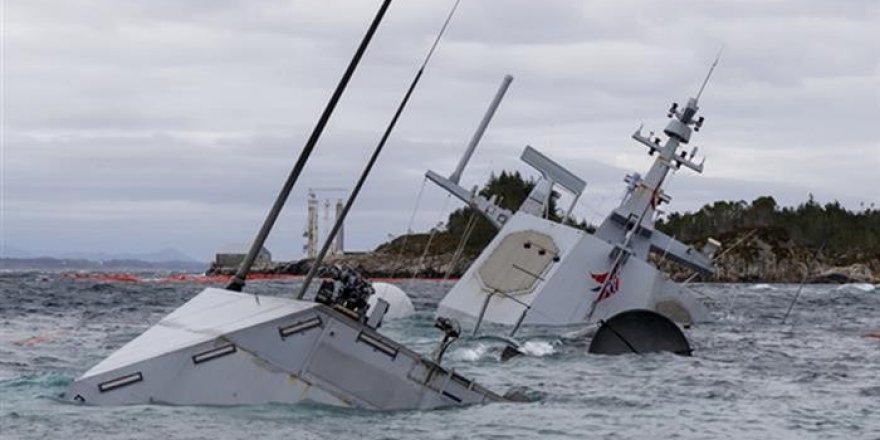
<point>611,287</point>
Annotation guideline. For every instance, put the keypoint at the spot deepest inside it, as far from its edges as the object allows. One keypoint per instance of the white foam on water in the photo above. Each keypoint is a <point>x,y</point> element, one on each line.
<point>762,287</point>
<point>791,387</point>
<point>470,354</point>
<point>537,348</point>
<point>864,287</point>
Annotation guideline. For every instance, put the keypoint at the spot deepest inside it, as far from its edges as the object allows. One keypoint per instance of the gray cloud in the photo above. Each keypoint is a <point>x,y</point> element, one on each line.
<point>145,124</point>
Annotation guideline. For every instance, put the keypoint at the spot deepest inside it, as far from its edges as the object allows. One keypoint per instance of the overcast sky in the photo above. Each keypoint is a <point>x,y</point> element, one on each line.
<point>131,126</point>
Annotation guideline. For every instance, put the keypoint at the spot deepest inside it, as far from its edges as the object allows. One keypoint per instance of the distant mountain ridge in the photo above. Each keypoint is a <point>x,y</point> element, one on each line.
<point>163,255</point>
<point>79,264</point>
<point>14,258</point>
<point>160,256</point>
<point>7,251</point>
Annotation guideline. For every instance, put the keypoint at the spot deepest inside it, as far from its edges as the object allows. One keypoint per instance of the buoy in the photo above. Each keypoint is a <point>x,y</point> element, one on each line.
<point>639,331</point>
<point>399,304</point>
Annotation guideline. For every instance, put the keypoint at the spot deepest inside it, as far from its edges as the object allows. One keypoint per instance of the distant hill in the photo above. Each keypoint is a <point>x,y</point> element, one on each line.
<point>825,243</point>
<point>7,251</point>
<point>112,265</point>
<point>761,241</point>
<point>163,255</point>
<point>13,258</point>
<point>836,230</point>
<point>822,243</point>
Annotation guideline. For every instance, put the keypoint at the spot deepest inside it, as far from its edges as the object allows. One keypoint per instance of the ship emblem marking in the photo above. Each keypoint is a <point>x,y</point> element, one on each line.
<point>611,287</point>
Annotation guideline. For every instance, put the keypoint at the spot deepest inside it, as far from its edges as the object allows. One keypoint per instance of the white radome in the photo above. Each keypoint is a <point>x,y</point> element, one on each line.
<point>399,304</point>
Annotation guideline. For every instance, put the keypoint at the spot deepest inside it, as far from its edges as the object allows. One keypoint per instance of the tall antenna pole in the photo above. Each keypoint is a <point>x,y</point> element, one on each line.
<point>455,177</point>
<point>339,243</point>
<point>708,75</point>
<point>363,177</point>
<point>238,281</point>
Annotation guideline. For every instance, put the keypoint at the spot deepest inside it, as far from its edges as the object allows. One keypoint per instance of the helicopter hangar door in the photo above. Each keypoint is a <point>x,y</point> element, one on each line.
<point>518,262</point>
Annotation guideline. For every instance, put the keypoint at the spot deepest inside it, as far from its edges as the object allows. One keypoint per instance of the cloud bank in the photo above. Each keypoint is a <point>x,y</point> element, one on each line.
<point>134,126</point>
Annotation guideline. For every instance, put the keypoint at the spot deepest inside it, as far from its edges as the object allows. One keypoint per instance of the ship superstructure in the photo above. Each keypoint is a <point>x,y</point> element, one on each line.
<point>538,271</point>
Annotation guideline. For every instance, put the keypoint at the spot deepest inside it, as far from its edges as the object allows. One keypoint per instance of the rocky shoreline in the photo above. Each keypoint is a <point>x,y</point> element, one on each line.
<point>760,256</point>
<point>769,255</point>
<point>371,264</point>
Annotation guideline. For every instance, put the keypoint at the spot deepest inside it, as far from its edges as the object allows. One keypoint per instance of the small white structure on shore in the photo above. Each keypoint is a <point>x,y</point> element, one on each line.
<point>233,254</point>
<point>312,232</point>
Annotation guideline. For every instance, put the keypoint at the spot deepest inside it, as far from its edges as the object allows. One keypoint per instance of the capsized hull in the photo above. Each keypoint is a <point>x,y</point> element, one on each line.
<point>227,348</point>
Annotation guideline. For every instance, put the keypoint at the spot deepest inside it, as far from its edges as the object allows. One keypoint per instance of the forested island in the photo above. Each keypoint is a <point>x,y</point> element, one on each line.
<point>761,241</point>
<point>825,242</point>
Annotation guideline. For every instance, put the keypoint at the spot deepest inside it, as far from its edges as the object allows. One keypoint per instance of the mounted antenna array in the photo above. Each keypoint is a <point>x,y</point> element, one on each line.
<point>679,132</point>
<point>683,122</point>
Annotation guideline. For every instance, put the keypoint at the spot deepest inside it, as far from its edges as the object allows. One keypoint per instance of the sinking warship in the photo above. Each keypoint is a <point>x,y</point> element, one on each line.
<point>226,347</point>
<point>538,271</point>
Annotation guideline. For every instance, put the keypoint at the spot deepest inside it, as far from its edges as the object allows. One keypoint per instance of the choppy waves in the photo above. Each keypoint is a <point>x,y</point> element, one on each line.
<point>751,376</point>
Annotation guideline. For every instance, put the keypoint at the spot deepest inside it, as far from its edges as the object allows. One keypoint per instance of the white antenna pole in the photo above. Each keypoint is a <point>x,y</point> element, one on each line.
<point>339,242</point>
<point>456,175</point>
<point>708,75</point>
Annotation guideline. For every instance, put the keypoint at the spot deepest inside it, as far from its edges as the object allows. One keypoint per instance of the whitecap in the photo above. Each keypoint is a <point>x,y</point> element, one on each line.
<point>470,354</point>
<point>864,287</point>
<point>537,348</point>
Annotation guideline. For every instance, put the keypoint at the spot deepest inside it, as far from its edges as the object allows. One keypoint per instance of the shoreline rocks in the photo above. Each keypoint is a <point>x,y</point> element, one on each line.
<point>764,256</point>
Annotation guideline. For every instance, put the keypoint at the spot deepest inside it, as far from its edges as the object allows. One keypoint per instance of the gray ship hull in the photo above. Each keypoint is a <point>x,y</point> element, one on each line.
<point>225,348</point>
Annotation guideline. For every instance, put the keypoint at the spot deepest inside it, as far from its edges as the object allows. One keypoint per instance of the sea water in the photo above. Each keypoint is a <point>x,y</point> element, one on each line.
<point>816,376</point>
